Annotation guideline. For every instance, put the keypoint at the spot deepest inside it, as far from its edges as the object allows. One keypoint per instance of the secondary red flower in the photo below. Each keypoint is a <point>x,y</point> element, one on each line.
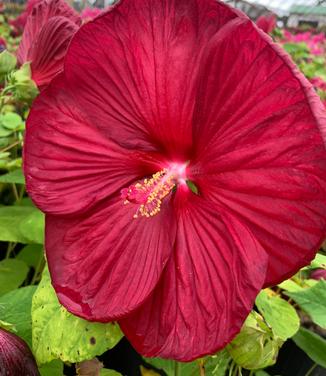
<point>88,14</point>
<point>19,22</point>
<point>267,23</point>
<point>181,165</point>
<point>47,34</point>
<point>16,359</point>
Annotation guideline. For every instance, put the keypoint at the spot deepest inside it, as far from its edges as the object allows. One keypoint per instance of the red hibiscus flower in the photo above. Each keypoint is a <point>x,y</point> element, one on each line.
<point>19,22</point>
<point>267,23</point>
<point>89,14</point>
<point>46,37</point>
<point>181,165</point>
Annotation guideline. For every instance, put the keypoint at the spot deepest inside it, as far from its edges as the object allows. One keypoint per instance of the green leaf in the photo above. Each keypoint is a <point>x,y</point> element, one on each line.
<point>15,307</point>
<point>21,224</point>
<point>15,177</point>
<point>54,368</point>
<point>12,274</point>
<point>319,261</point>
<point>261,373</point>
<point>32,255</point>
<point>279,315</point>
<point>32,226</point>
<point>297,50</point>
<point>312,344</point>
<point>313,301</point>
<point>214,365</point>
<point>191,185</point>
<point>4,132</point>
<point>11,121</point>
<point>168,366</point>
<point>109,372</point>
<point>57,334</point>
<point>289,285</point>
<point>7,326</point>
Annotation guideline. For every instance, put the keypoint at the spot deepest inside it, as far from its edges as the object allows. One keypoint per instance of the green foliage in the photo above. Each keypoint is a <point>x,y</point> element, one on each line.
<point>15,308</point>
<point>297,50</point>
<point>57,334</point>
<point>12,274</point>
<point>12,121</point>
<point>7,326</point>
<point>32,255</point>
<point>8,62</point>
<point>319,261</point>
<point>312,344</point>
<point>278,313</point>
<point>54,368</point>
<point>21,224</point>
<point>313,301</point>
<point>109,372</point>
<point>290,285</point>
<point>261,373</point>
<point>14,177</point>
<point>215,365</point>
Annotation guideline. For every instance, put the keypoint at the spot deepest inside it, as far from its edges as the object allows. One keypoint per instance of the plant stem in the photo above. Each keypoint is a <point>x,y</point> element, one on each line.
<point>10,146</point>
<point>39,268</point>
<point>21,193</point>
<point>14,188</point>
<point>176,369</point>
<point>201,368</point>
<point>10,248</point>
<point>231,368</point>
<point>311,370</point>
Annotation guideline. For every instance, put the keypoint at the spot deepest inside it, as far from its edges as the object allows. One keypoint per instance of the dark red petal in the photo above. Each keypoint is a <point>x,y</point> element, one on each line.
<point>49,48</point>
<point>104,264</point>
<point>206,291</point>
<point>140,62</point>
<point>38,17</point>
<point>260,150</point>
<point>68,164</point>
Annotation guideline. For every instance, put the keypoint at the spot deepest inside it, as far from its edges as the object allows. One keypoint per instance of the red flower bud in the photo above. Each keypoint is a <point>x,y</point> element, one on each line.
<point>318,274</point>
<point>16,358</point>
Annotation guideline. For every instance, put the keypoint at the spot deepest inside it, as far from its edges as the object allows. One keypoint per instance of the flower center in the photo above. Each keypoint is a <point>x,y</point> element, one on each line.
<point>149,193</point>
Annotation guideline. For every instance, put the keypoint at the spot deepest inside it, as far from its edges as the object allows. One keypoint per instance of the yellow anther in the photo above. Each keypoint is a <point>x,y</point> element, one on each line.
<point>149,193</point>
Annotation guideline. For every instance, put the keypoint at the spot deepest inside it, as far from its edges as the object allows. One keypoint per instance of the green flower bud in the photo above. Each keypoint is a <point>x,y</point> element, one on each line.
<point>8,62</point>
<point>24,88</point>
<point>255,346</point>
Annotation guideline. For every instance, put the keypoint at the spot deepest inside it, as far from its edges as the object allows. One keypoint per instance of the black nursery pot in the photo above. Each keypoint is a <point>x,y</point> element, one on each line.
<point>292,361</point>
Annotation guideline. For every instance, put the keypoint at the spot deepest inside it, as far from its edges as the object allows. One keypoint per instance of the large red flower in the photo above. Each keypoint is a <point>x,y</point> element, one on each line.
<point>47,34</point>
<point>181,165</point>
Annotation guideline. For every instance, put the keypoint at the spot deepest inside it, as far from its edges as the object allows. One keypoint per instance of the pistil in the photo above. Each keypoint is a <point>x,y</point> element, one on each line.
<point>149,193</point>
